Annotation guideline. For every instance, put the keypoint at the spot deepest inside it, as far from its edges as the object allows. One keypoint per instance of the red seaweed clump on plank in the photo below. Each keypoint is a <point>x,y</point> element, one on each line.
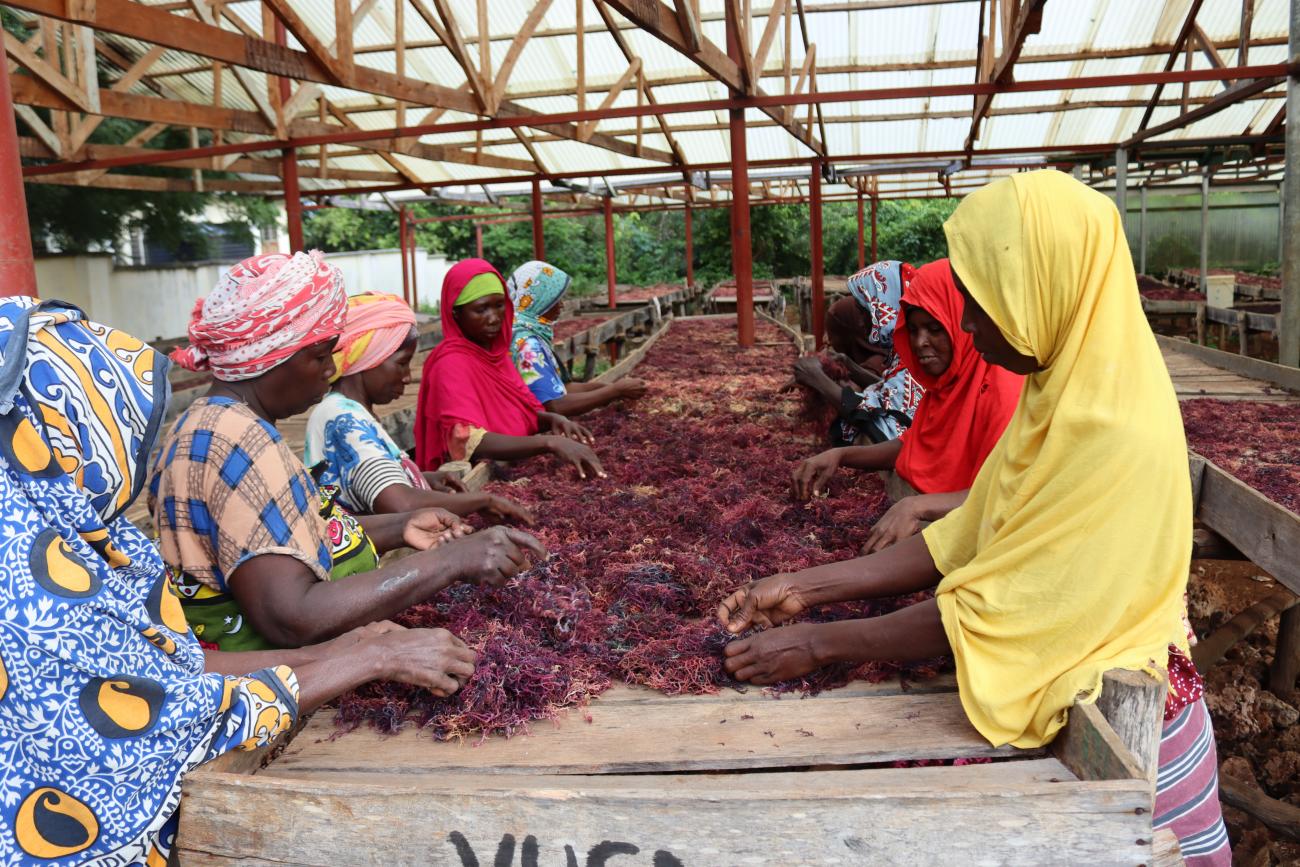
<point>1257,442</point>
<point>697,502</point>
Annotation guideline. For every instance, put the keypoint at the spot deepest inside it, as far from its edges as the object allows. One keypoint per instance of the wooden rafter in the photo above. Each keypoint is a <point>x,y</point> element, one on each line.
<point>688,22</point>
<point>445,26</point>
<point>502,80</point>
<point>1209,51</point>
<point>1010,23</point>
<point>46,69</point>
<point>774,18</point>
<point>633,69</point>
<point>1184,34</point>
<point>128,80</point>
<point>1232,96</point>
<point>660,21</point>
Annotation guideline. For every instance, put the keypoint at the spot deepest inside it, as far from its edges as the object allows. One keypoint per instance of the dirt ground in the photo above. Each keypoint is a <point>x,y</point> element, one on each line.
<point>1258,734</point>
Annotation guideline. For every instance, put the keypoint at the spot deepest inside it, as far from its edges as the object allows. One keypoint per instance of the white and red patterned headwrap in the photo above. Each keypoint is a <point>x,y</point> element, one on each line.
<point>262,311</point>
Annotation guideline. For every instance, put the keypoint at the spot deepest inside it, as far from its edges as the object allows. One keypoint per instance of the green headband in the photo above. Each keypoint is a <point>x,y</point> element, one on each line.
<point>480,286</point>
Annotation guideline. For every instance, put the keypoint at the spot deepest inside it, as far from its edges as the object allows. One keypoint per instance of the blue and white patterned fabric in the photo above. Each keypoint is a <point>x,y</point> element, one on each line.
<point>888,405</point>
<point>348,448</point>
<point>104,704</point>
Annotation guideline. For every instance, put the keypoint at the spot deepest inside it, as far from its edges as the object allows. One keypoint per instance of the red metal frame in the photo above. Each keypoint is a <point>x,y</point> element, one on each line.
<point>690,251</point>
<point>539,230</point>
<point>17,268</point>
<point>816,255</point>
<point>733,103</point>
<point>742,254</point>
<point>610,275</point>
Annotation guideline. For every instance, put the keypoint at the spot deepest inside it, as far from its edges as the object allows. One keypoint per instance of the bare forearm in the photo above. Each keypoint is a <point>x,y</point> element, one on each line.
<point>932,507</point>
<point>501,447</point>
<point>330,676</point>
<point>404,498</point>
<point>899,569</point>
<point>245,662</point>
<point>860,375</point>
<point>384,530</point>
<point>909,634</point>
<point>878,456</point>
<point>334,607</point>
<point>579,402</point>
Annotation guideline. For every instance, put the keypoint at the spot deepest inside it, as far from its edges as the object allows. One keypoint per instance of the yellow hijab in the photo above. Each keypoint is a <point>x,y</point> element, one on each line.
<point>1070,556</point>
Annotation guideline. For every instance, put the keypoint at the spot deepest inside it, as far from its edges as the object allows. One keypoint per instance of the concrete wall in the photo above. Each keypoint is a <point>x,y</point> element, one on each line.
<point>155,303</point>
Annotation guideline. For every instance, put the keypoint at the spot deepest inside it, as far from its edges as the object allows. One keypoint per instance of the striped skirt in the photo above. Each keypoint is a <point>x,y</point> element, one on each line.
<point>1187,788</point>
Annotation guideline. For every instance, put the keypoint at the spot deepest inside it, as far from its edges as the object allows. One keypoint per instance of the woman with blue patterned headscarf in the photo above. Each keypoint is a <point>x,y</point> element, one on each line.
<point>537,291</point>
<point>106,698</point>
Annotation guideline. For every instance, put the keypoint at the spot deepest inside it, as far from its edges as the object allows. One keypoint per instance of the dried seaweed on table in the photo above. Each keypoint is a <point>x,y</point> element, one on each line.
<point>1257,442</point>
<point>697,502</point>
<point>566,328</point>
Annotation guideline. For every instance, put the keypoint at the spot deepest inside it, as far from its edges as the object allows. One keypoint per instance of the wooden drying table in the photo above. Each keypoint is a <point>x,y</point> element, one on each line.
<point>704,780</point>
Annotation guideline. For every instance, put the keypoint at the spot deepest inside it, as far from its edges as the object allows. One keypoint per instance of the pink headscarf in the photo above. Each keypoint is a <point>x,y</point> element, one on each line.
<point>378,324</point>
<point>261,312</point>
<point>464,384</point>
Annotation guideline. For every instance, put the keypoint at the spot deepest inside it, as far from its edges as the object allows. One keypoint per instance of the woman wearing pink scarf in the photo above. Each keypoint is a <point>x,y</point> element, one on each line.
<point>473,404</point>
<point>347,447</point>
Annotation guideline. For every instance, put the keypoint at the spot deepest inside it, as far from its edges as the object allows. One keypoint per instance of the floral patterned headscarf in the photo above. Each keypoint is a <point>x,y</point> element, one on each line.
<point>534,288</point>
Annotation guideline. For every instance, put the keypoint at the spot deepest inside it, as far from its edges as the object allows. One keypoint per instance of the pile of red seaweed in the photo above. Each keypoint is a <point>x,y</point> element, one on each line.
<point>1257,442</point>
<point>644,293</point>
<point>566,328</point>
<point>697,502</point>
<point>1149,287</point>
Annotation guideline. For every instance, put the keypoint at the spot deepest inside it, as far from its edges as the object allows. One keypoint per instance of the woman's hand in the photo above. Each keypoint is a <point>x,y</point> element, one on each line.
<point>353,637</point>
<point>432,658</point>
<point>766,602</point>
<point>429,528</point>
<point>808,371</point>
<point>566,427</point>
<point>902,520</point>
<point>493,556</point>
<point>445,482</point>
<point>813,476</point>
<point>578,454</point>
<point>776,654</point>
<point>631,388</point>
<point>504,509</point>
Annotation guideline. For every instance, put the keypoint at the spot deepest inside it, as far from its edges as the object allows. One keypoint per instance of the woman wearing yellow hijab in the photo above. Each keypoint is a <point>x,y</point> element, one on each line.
<point>1070,555</point>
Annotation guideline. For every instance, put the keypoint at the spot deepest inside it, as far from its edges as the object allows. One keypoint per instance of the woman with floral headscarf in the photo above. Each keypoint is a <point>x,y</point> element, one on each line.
<point>107,699</point>
<point>537,291</point>
<point>1069,557</point>
<point>346,445</point>
<point>254,545</point>
<point>862,334</point>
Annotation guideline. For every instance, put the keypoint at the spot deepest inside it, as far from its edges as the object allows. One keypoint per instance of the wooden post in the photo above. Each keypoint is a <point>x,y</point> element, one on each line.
<point>401,247</point>
<point>742,253</point>
<point>690,251</point>
<point>478,240</point>
<point>1243,335</point>
<point>1142,232</point>
<point>1286,661</point>
<point>1288,321</point>
<point>815,238</point>
<point>610,274</point>
<point>862,236</point>
<point>292,200</point>
<point>539,235</point>
<point>17,268</point>
<point>875,251</point>
<point>1205,232</point>
<point>1200,323</point>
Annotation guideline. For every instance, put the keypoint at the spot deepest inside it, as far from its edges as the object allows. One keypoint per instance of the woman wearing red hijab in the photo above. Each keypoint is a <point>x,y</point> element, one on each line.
<point>473,404</point>
<point>966,406</point>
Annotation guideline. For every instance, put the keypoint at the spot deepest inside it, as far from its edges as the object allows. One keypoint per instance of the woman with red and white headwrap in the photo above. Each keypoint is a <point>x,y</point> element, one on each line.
<point>348,448</point>
<point>254,545</point>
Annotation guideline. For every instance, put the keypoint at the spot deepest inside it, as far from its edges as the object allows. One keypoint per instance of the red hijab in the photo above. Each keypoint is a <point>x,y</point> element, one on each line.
<point>965,409</point>
<point>466,386</point>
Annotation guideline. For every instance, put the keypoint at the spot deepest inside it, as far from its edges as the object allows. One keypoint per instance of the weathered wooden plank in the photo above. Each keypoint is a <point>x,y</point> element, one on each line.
<point>748,731</point>
<point>1133,702</point>
<point>1012,813</point>
<point>624,367</point>
<point>1266,532</point>
<point>1090,748</point>
<point>1267,371</point>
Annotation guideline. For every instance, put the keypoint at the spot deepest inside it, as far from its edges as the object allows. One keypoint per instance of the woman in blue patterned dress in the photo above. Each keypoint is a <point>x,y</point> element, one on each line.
<point>106,698</point>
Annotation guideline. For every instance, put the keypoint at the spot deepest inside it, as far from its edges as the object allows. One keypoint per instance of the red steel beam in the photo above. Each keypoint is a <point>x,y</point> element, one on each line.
<point>709,105</point>
<point>742,252</point>
<point>609,250</point>
<point>690,251</point>
<point>862,237</point>
<point>818,265</point>
<point>539,231</point>
<point>292,199</point>
<point>17,267</point>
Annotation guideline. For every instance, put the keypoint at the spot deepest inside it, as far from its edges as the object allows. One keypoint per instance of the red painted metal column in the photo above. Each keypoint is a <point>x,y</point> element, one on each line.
<point>690,251</point>
<point>17,268</point>
<point>401,247</point>
<point>742,254</point>
<point>478,240</point>
<point>610,275</point>
<point>862,237</point>
<point>875,252</point>
<point>539,234</point>
<point>292,199</point>
<point>818,266</point>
